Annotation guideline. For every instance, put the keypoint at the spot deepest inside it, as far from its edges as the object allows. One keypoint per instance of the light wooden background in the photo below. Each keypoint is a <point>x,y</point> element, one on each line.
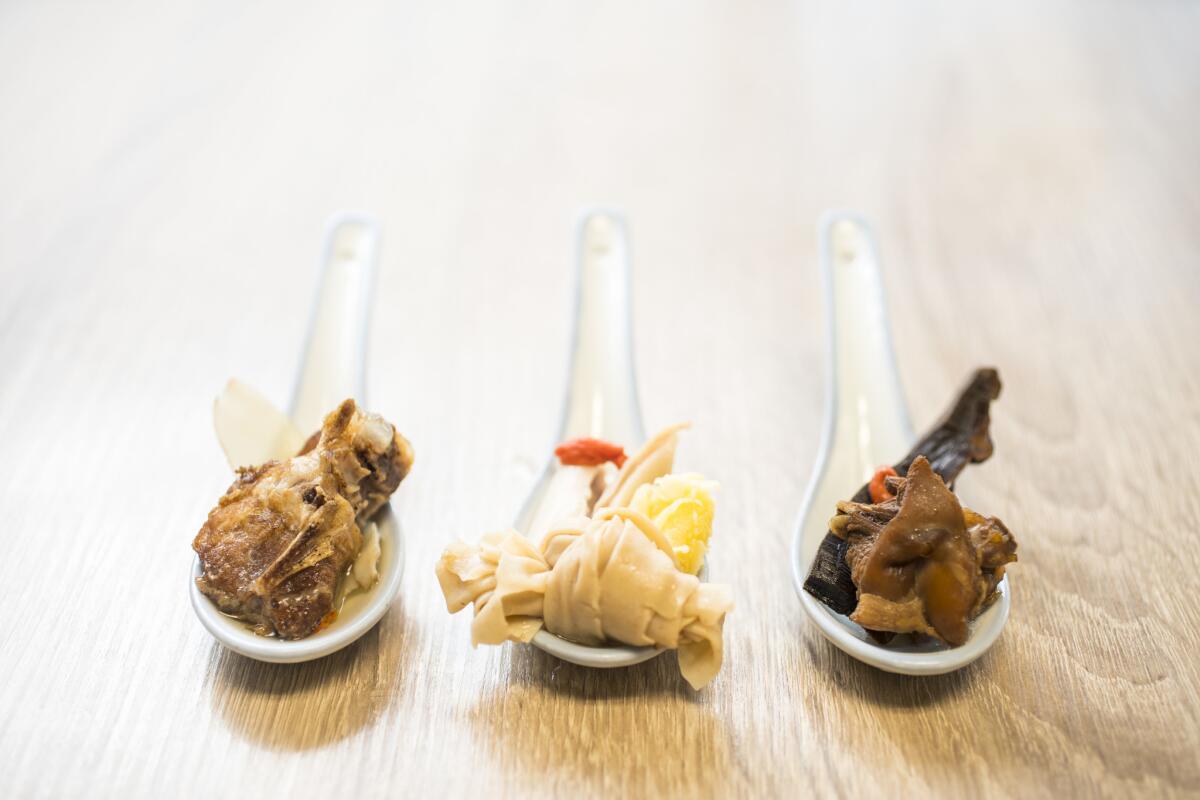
<point>166,170</point>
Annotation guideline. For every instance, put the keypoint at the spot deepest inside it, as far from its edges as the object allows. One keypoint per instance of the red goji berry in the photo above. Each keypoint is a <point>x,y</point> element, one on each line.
<point>588,452</point>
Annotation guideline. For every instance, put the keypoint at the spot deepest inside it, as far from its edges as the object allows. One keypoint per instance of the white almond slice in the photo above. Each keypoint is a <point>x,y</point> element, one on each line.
<point>655,459</point>
<point>250,429</point>
<point>366,566</point>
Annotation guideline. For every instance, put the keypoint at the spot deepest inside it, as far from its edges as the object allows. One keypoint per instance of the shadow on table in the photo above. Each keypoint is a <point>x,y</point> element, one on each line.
<point>887,689</point>
<point>633,731</point>
<point>310,705</point>
<point>926,723</point>
<point>659,676</point>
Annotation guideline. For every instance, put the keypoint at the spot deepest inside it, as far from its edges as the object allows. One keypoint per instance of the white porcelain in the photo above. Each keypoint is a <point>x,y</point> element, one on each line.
<point>601,398</point>
<point>333,366</point>
<point>331,370</point>
<point>866,426</point>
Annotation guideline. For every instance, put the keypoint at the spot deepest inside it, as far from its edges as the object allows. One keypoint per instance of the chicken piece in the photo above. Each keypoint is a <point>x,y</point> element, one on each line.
<point>921,562</point>
<point>280,539</point>
<point>962,437</point>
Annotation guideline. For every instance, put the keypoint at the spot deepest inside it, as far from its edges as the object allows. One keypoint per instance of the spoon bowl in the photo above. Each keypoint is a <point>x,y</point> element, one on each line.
<point>601,398</point>
<point>358,614</point>
<point>866,425</point>
<point>332,369</point>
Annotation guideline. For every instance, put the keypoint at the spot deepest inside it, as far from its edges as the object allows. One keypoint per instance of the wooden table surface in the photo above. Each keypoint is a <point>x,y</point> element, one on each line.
<point>1032,169</point>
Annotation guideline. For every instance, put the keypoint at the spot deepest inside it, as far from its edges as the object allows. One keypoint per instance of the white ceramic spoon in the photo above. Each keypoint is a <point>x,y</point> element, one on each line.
<point>866,426</point>
<point>601,399</point>
<point>332,369</point>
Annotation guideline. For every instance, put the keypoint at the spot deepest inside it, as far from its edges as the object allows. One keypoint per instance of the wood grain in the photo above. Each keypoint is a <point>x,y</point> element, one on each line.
<point>167,168</point>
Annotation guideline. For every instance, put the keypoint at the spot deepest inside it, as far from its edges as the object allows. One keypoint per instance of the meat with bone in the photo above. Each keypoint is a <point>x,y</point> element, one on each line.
<point>278,542</point>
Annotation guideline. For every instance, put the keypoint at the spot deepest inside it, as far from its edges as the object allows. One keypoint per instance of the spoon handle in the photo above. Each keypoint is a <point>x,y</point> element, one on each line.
<point>602,398</point>
<point>334,362</point>
<point>870,418</point>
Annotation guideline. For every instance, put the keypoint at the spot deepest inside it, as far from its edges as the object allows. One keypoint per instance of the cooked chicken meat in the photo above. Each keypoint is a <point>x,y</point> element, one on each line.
<point>959,439</point>
<point>283,535</point>
<point>921,562</point>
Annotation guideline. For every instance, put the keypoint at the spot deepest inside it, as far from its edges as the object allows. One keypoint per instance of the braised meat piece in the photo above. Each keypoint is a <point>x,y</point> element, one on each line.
<point>961,437</point>
<point>920,561</point>
<point>280,539</point>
